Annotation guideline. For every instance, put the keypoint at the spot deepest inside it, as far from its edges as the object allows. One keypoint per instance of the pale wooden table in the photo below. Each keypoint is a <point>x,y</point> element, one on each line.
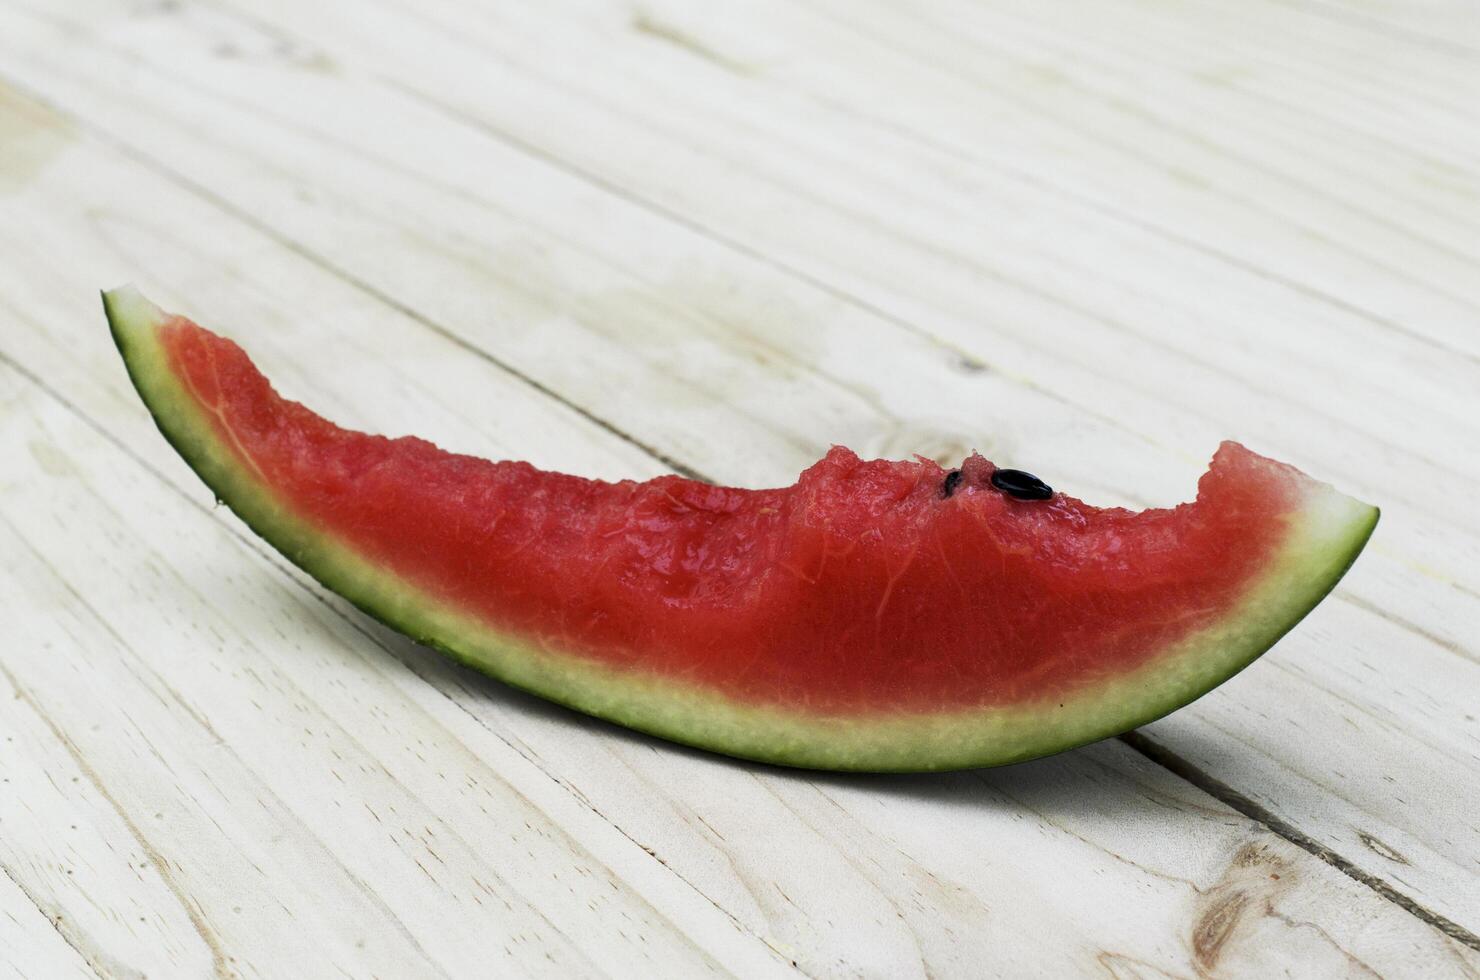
<point>1089,238</point>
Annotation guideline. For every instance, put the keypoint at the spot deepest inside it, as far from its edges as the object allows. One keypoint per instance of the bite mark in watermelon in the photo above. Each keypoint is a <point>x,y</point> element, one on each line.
<point>876,615</point>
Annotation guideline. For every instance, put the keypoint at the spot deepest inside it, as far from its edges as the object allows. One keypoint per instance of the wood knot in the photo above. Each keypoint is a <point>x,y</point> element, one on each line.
<point>1256,875</point>
<point>1214,927</point>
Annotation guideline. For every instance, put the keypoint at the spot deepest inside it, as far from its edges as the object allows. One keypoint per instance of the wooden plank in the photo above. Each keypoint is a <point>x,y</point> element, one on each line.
<point>31,945</point>
<point>690,331</point>
<point>841,874</point>
<point>1449,26</point>
<point>1213,117</point>
<point>78,860</point>
<point>1208,164</point>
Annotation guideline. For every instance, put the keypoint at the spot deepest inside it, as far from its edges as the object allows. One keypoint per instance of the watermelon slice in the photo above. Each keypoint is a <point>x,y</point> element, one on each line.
<point>876,615</point>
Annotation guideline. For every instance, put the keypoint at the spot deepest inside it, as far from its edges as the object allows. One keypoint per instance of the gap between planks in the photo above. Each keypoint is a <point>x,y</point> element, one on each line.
<point>55,923</point>
<point>1142,744</point>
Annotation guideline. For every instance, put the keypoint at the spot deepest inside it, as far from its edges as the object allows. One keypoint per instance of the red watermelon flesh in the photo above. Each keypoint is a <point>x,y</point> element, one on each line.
<point>866,595</point>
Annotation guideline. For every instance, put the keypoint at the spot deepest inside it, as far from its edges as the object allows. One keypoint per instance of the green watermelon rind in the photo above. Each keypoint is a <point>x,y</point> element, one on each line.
<point>1326,533</point>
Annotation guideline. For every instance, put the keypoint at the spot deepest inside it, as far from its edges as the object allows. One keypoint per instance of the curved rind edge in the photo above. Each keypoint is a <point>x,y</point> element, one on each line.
<point>1325,536</point>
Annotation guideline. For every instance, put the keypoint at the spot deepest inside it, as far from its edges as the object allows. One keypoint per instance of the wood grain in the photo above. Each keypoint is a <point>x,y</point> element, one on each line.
<point>623,240</point>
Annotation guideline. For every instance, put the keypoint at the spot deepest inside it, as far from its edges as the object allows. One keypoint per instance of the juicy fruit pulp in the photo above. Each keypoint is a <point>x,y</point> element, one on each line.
<point>876,614</point>
<point>858,588</point>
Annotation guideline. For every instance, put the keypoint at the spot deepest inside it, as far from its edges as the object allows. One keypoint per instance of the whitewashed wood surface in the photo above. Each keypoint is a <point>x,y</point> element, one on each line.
<point>623,237</point>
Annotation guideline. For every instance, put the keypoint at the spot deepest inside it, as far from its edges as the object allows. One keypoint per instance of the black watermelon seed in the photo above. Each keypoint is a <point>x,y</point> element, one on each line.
<point>1023,486</point>
<point>952,481</point>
